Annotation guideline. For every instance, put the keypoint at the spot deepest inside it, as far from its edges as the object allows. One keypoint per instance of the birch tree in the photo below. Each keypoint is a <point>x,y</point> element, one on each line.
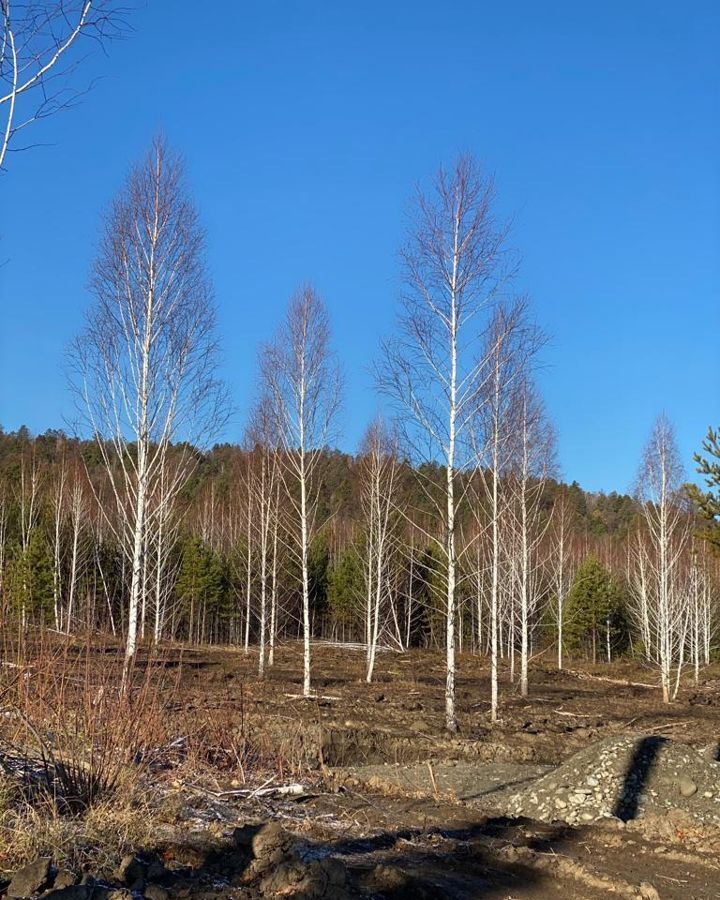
<point>58,504</point>
<point>3,542</point>
<point>302,377</point>
<point>663,599</point>
<point>164,536</point>
<point>534,463</point>
<point>145,365</point>
<point>28,499</point>
<point>77,518</point>
<point>701,611</point>
<point>508,346</point>
<point>561,563</point>
<point>264,485</point>
<point>379,467</point>
<point>454,264</point>
<point>39,52</point>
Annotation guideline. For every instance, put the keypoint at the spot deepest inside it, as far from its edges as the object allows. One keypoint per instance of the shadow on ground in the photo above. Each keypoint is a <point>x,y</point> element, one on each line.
<point>437,862</point>
<point>636,777</point>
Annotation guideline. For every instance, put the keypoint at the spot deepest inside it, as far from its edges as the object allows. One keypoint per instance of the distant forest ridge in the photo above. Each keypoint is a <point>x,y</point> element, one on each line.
<point>595,513</point>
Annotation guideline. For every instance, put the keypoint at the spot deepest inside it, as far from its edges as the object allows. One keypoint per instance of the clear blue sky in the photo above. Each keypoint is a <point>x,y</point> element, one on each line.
<point>305,127</point>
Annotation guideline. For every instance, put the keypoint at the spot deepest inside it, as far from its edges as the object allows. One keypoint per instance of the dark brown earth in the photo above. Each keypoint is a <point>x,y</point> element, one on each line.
<point>410,829</point>
<point>394,806</point>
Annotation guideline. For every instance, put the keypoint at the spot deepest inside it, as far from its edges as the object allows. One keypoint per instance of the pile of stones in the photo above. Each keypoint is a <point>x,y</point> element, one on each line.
<point>627,778</point>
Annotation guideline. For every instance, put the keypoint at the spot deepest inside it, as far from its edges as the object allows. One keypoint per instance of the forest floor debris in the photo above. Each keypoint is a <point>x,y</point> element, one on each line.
<point>371,797</point>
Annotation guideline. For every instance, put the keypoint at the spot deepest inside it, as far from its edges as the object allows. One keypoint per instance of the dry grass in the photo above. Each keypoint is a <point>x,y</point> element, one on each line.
<point>70,731</point>
<point>85,765</point>
<point>222,741</point>
<point>95,841</point>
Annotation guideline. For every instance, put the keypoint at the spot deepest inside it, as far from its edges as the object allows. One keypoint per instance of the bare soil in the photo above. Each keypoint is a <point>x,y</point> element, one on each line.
<point>405,809</point>
<point>412,810</point>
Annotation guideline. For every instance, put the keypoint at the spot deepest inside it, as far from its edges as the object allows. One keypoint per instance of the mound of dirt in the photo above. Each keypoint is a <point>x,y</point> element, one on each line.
<point>625,777</point>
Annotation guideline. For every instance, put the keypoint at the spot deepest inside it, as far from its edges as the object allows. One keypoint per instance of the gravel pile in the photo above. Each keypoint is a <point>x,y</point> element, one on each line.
<point>627,778</point>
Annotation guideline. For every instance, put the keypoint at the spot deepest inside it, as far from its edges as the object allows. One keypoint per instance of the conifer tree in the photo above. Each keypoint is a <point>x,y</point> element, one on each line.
<point>594,611</point>
<point>708,502</point>
<point>30,580</point>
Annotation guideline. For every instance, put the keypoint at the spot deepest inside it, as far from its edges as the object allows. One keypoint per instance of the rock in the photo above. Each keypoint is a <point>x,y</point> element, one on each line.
<point>389,878</point>
<point>271,847</point>
<point>30,879</point>
<point>321,879</point>
<point>648,891</point>
<point>155,869</point>
<point>270,840</point>
<point>155,892</point>
<point>283,879</point>
<point>131,872</point>
<point>71,892</point>
<point>687,786</point>
<point>63,879</point>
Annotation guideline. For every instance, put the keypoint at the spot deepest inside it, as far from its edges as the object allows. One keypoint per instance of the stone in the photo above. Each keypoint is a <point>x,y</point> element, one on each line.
<point>270,840</point>
<point>131,872</point>
<point>63,879</point>
<point>687,786</point>
<point>390,879</point>
<point>71,892</point>
<point>321,879</point>
<point>155,869</point>
<point>155,892</point>
<point>30,879</point>
<point>648,891</point>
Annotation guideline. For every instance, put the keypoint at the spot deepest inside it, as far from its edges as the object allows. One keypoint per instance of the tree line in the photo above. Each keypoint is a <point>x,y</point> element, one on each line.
<point>447,528</point>
<point>226,568</point>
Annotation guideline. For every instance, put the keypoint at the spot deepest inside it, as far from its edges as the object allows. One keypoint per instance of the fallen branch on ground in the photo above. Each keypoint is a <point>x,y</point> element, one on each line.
<point>312,697</point>
<point>282,790</point>
<point>587,676</point>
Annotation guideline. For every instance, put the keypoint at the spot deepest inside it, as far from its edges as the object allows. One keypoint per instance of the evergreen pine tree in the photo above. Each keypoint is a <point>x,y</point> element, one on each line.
<point>345,588</point>
<point>30,581</point>
<point>708,502</point>
<point>594,611</point>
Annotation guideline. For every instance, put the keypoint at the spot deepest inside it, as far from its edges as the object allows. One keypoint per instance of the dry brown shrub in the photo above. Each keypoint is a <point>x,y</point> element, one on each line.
<point>90,770</point>
<point>69,730</point>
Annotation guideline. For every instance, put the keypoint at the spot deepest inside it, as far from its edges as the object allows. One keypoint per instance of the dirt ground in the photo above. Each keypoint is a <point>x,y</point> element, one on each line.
<point>403,808</point>
<point>414,811</point>
<point>400,716</point>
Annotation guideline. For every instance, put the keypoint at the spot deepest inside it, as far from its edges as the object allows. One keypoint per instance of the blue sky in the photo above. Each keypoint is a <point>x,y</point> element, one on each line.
<point>305,127</point>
